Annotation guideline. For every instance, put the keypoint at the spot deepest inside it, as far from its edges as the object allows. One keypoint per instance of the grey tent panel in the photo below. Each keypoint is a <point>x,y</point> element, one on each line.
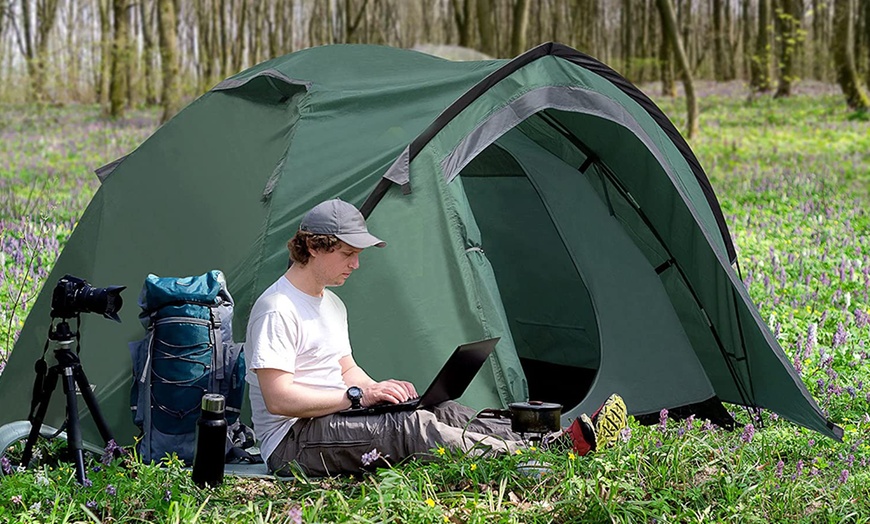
<point>103,172</point>
<point>570,99</point>
<point>268,74</point>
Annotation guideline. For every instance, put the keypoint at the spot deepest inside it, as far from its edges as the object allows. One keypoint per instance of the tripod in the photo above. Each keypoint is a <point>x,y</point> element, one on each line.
<point>70,368</point>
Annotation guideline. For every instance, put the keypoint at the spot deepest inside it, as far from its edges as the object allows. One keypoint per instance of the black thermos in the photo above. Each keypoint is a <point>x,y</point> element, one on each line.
<point>211,441</point>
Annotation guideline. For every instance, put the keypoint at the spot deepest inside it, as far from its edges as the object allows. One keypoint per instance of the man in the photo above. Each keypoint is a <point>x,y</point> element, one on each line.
<point>302,370</point>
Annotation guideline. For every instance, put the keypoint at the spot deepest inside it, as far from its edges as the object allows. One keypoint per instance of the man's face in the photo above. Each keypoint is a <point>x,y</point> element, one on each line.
<point>332,268</point>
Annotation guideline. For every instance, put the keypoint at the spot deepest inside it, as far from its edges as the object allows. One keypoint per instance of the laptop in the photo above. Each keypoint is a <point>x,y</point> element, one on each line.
<point>449,384</point>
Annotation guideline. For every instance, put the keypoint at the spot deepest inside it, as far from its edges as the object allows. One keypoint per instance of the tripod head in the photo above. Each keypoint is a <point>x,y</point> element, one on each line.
<point>64,337</point>
<point>62,332</point>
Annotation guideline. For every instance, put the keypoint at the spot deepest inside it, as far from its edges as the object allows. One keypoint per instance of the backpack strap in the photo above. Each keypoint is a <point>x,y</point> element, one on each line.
<point>217,341</point>
<point>146,380</point>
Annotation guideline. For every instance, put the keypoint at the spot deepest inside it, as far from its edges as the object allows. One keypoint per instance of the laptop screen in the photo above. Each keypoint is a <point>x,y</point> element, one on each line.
<point>457,373</point>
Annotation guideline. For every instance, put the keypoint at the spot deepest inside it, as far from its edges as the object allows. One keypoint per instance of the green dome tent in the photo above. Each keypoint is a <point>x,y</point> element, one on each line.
<point>543,199</point>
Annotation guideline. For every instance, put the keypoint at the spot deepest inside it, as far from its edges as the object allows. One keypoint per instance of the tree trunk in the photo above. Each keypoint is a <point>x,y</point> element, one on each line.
<point>462,16</point>
<point>818,45</point>
<point>669,86</point>
<point>646,51</point>
<point>520,27</point>
<point>132,54</point>
<point>37,26</point>
<point>669,29</point>
<point>719,49</point>
<point>730,43</point>
<point>237,41</point>
<point>760,81</point>
<point>146,18</point>
<point>486,27</point>
<point>866,42</point>
<point>844,56</point>
<point>222,30</point>
<point>120,59</point>
<point>789,39</point>
<point>72,82</point>
<point>746,37</point>
<point>167,23</point>
<point>627,39</point>
<point>353,21</point>
<point>106,39</point>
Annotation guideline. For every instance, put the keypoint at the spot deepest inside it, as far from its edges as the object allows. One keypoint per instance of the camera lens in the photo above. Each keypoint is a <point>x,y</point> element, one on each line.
<point>104,300</point>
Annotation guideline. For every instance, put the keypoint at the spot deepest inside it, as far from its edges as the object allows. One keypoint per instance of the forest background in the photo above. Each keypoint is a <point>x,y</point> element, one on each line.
<point>126,53</point>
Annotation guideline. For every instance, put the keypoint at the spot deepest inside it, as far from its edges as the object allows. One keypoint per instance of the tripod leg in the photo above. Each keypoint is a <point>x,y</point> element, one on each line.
<point>74,430</point>
<point>38,416</point>
<point>91,402</point>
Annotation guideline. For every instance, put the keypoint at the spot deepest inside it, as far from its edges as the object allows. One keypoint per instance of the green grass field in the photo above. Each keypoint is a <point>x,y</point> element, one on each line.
<point>793,178</point>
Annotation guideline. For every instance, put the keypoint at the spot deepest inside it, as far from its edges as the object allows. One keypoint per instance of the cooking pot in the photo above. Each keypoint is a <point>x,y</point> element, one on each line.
<point>533,416</point>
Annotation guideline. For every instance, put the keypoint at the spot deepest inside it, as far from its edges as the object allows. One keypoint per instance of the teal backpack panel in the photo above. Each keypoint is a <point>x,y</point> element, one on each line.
<point>188,351</point>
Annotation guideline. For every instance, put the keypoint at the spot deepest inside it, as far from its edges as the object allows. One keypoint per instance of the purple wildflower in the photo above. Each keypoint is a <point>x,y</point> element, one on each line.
<point>659,443</point>
<point>16,499</point>
<point>110,489</point>
<point>295,514</point>
<point>779,466</point>
<point>6,465</point>
<point>168,495</point>
<point>844,476</point>
<point>748,433</point>
<point>812,338</point>
<point>88,483</point>
<point>663,419</point>
<point>112,451</point>
<point>840,336</point>
<point>369,458</point>
<point>625,434</point>
<point>91,504</point>
<point>690,422</point>
<point>811,442</point>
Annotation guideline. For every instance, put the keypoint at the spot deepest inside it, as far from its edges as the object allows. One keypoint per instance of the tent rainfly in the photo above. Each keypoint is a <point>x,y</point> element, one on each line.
<point>544,200</point>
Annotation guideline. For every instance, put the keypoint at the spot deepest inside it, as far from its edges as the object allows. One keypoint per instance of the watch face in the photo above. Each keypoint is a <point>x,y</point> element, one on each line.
<point>354,393</point>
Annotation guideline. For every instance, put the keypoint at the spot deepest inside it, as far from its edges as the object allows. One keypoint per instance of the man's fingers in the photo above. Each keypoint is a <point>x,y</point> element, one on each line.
<point>407,388</point>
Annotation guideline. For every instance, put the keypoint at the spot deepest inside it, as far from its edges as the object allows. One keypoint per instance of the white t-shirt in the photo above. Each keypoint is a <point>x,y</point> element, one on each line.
<point>294,332</point>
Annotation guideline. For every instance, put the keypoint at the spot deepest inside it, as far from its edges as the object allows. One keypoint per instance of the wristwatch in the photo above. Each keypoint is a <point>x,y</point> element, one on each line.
<point>355,394</point>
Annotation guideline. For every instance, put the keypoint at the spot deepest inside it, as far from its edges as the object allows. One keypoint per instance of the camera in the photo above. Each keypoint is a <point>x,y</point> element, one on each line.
<point>74,295</point>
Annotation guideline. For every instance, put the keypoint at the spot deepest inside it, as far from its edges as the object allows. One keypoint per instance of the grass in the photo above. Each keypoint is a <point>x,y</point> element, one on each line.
<point>793,179</point>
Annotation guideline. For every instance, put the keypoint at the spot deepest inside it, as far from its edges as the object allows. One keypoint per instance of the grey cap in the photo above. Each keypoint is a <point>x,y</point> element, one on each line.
<point>337,217</point>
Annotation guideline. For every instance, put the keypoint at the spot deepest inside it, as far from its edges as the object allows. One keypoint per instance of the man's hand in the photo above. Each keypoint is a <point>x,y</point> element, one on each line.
<point>391,391</point>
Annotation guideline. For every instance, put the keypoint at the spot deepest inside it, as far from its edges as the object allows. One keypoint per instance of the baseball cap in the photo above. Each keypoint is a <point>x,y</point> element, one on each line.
<point>337,217</point>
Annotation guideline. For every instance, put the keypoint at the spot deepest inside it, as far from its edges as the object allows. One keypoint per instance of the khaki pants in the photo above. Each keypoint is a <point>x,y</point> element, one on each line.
<point>335,444</point>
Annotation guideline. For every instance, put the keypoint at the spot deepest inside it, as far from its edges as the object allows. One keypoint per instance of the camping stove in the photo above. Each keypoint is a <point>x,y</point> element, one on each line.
<point>533,418</point>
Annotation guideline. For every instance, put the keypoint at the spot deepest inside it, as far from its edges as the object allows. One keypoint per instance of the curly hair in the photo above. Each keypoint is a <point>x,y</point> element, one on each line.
<point>303,243</point>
